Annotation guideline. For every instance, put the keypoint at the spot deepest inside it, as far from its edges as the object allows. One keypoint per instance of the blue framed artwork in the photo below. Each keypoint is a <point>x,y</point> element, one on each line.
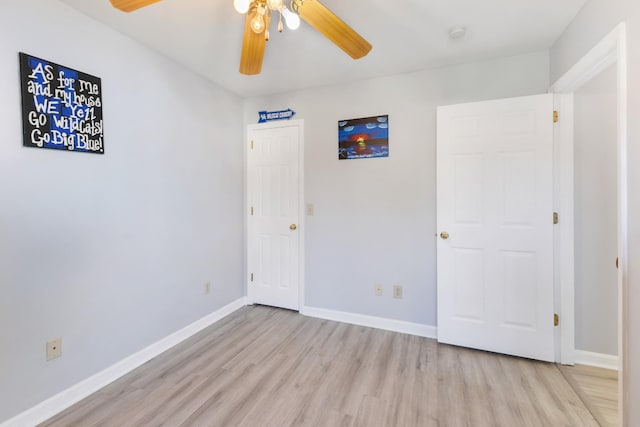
<point>363,138</point>
<point>61,107</point>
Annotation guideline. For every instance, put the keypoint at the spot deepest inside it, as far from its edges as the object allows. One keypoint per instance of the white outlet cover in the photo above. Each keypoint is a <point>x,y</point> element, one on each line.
<point>378,290</point>
<point>397,291</point>
<point>54,349</point>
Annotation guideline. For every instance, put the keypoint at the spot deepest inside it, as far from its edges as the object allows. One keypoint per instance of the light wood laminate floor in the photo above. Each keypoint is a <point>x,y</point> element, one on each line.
<point>598,389</point>
<point>268,367</point>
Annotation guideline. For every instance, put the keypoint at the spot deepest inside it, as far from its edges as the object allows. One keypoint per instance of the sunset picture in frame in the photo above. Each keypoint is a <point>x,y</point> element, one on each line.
<point>363,138</point>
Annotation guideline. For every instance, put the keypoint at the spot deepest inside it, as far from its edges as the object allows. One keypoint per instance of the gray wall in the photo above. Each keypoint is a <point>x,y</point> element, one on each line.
<point>375,219</point>
<point>596,215</point>
<point>595,20</point>
<point>111,252</point>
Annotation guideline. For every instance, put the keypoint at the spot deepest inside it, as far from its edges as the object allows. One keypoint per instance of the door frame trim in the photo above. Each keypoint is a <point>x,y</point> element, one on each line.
<point>299,123</point>
<point>612,49</point>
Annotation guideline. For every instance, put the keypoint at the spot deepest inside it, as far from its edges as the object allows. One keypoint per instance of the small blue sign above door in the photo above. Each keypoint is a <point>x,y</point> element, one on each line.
<point>268,116</point>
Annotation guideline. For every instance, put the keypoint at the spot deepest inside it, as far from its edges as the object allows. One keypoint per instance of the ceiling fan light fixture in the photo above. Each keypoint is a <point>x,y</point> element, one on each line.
<point>292,19</point>
<point>313,12</point>
<point>257,23</point>
<point>275,4</point>
<point>241,6</point>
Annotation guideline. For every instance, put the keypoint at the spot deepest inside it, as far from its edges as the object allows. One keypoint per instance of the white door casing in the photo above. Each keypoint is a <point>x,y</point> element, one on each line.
<point>495,200</point>
<point>611,49</point>
<point>273,228</point>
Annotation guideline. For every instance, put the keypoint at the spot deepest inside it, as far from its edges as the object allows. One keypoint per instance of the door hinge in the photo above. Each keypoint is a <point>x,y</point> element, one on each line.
<point>252,144</point>
<point>251,210</point>
<point>252,277</point>
<point>556,218</point>
<point>617,262</point>
<point>556,320</point>
<point>556,117</point>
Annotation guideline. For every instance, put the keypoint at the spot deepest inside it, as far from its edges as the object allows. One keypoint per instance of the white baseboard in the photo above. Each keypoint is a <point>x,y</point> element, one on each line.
<point>597,360</point>
<point>76,393</point>
<point>372,322</point>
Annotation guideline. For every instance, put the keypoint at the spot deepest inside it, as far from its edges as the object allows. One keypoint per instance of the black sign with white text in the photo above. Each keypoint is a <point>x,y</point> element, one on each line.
<point>61,107</point>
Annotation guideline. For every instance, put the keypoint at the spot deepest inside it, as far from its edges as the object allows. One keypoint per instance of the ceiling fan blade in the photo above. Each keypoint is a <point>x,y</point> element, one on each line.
<point>334,28</point>
<point>253,47</point>
<point>131,5</point>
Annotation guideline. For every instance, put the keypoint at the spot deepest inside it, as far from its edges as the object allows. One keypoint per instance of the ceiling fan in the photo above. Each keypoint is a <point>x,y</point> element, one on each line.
<point>256,30</point>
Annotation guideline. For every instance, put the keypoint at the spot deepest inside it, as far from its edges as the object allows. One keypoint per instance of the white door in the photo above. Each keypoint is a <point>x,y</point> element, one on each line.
<point>495,226</point>
<point>273,226</point>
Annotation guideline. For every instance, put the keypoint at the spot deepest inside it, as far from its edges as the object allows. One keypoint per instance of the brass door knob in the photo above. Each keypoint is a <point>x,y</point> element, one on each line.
<point>444,235</point>
<point>293,227</point>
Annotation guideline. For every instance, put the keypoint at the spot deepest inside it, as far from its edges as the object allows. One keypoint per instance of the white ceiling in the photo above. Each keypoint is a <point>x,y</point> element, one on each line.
<point>407,35</point>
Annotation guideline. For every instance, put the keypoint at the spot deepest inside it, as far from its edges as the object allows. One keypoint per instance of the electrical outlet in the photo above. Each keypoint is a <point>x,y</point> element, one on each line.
<point>54,349</point>
<point>397,291</point>
<point>207,288</point>
<point>378,289</point>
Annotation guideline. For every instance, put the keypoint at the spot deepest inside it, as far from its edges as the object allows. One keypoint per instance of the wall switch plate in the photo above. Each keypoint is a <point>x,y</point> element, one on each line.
<point>378,290</point>
<point>207,288</point>
<point>397,291</point>
<point>54,349</point>
<point>310,209</point>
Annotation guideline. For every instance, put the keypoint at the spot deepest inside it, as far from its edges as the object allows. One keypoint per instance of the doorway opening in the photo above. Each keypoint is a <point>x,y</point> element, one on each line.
<point>610,52</point>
